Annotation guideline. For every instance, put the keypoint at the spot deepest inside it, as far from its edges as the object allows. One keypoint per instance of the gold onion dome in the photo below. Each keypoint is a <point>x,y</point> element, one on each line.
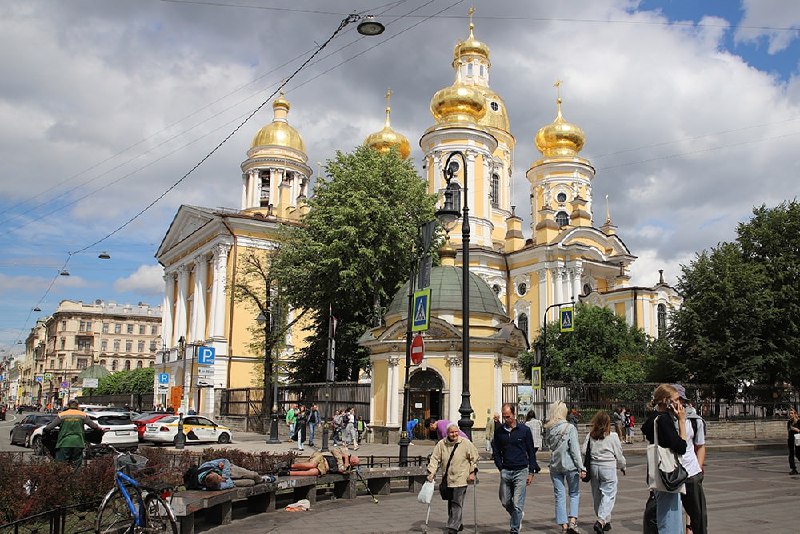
<point>470,46</point>
<point>279,132</point>
<point>458,103</point>
<point>560,139</point>
<point>387,139</point>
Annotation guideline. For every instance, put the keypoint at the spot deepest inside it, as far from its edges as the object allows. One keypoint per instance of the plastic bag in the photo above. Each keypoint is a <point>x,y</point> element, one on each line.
<point>426,493</point>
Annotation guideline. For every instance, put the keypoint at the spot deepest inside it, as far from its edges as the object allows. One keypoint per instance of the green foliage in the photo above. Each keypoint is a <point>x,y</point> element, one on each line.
<point>134,381</point>
<point>354,250</point>
<point>602,348</point>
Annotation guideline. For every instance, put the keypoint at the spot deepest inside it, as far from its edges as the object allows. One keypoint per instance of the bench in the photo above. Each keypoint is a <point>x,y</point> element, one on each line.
<point>218,505</point>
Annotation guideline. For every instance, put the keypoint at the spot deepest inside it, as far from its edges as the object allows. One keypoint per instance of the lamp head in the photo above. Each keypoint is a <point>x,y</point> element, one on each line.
<point>369,26</point>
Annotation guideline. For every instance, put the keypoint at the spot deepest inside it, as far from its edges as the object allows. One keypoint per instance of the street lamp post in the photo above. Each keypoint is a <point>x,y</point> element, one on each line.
<point>273,426</point>
<point>180,438</point>
<point>448,215</point>
<point>544,351</point>
<point>330,376</point>
<point>404,441</point>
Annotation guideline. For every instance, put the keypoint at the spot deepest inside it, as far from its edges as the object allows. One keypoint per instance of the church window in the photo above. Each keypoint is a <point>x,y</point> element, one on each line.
<point>482,77</point>
<point>494,192</point>
<point>522,288</point>
<point>494,105</point>
<point>662,320</point>
<point>522,323</point>
<point>496,288</point>
<point>469,69</point>
<point>562,219</point>
<point>264,195</point>
<point>561,197</point>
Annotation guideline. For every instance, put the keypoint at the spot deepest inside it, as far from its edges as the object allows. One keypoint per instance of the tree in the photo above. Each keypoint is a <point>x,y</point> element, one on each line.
<point>601,348</point>
<point>352,253</point>
<point>135,381</point>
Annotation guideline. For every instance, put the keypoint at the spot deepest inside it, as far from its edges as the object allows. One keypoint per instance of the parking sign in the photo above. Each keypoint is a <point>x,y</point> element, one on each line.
<point>163,378</point>
<point>205,355</point>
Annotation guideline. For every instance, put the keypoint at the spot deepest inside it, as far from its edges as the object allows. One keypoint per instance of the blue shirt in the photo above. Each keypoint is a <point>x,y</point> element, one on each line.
<point>513,449</point>
<point>213,466</point>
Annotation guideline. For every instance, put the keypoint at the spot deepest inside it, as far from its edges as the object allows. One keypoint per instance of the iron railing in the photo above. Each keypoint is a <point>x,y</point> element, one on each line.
<point>74,519</point>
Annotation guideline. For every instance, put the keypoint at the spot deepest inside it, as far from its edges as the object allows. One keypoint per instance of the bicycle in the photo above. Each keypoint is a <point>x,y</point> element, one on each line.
<point>130,507</point>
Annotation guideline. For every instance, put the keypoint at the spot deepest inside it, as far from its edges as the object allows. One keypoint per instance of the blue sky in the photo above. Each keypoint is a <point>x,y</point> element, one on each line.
<point>691,111</point>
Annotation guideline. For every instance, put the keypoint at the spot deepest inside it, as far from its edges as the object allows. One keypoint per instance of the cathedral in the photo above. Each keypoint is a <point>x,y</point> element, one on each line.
<point>514,281</point>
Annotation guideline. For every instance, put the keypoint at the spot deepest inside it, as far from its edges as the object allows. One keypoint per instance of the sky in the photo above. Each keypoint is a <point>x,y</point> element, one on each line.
<point>113,113</point>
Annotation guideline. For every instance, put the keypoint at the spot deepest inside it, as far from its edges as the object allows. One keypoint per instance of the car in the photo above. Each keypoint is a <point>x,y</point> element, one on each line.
<point>119,431</point>
<point>196,428</point>
<point>143,419</point>
<point>21,432</point>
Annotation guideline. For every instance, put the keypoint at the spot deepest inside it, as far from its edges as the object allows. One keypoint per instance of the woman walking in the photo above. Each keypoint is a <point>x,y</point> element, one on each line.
<point>793,428</point>
<point>566,467</point>
<point>605,452</point>
<point>536,429</point>
<point>669,411</point>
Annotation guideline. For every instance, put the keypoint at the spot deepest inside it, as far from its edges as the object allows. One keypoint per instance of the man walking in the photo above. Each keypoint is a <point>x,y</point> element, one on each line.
<point>71,442</point>
<point>291,419</point>
<point>313,421</point>
<point>515,458</point>
<point>694,500</point>
<point>458,458</point>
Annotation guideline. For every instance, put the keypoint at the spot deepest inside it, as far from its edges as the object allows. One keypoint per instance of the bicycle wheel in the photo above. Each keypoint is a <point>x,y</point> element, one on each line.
<point>158,515</point>
<point>114,515</point>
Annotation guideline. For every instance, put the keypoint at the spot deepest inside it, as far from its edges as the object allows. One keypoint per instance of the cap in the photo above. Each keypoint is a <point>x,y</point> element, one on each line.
<point>681,391</point>
<point>73,403</point>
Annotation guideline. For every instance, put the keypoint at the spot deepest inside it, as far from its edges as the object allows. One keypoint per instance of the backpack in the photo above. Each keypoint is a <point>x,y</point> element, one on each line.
<point>693,422</point>
<point>190,478</point>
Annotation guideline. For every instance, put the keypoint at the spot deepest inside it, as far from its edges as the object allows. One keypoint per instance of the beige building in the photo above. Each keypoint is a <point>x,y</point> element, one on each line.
<point>119,337</point>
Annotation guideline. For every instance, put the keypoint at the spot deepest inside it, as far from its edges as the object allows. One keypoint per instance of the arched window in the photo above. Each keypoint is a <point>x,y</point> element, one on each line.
<point>152,364</point>
<point>522,323</point>
<point>139,364</point>
<point>469,69</point>
<point>662,320</point>
<point>127,365</point>
<point>562,219</point>
<point>494,192</point>
<point>113,365</point>
<point>103,363</point>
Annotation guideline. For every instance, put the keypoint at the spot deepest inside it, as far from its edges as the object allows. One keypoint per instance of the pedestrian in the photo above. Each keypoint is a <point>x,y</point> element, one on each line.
<point>668,411</point>
<point>291,419</point>
<point>410,426</point>
<point>458,458</point>
<point>340,461</point>
<point>605,458</point>
<point>361,428</point>
<point>351,436</point>
<point>536,428</point>
<point>793,429</point>
<point>301,419</point>
<point>694,500</point>
<point>71,440</point>
<point>221,474</point>
<point>630,422</point>
<point>488,432</point>
<point>617,421</point>
<point>440,428</point>
<point>566,467</point>
<point>337,427</point>
<point>313,421</point>
<point>573,417</point>
<point>515,458</point>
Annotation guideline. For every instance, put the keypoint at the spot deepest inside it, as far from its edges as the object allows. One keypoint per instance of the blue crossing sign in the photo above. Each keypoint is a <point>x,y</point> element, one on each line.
<point>567,319</point>
<point>163,378</point>
<point>421,317</point>
<point>205,355</point>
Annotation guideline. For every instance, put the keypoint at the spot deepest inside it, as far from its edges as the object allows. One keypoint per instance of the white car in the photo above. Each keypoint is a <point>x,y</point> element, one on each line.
<point>120,431</point>
<point>196,429</point>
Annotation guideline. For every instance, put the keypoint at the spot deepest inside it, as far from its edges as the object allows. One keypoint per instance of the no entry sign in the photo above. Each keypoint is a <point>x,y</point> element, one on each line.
<point>417,349</point>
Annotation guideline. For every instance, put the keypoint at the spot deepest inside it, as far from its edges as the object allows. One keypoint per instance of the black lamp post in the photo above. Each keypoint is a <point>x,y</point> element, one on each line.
<point>448,215</point>
<point>273,425</point>
<point>544,351</point>
<point>180,438</point>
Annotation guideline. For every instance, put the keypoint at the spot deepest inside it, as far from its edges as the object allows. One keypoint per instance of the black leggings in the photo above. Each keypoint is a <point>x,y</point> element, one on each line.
<point>793,452</point>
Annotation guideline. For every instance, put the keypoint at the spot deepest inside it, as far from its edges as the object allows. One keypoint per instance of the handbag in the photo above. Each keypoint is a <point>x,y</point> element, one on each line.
<point>444,490</point>
<point>797,439</point>
<point>587,460</point>
<point>664,469</point>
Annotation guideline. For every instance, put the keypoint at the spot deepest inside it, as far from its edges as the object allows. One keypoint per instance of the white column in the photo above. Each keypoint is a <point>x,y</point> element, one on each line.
<point>167,310</point>
<point>498,385</point>
<point>244,190</point>
<point>275,177</point>
<point>559,285</point>
<point>568,283</point>
<point>198,332</point>
<point>389,389</point>
<point>576,280</point>
<point>218,291</point>
<point>372,400</point>
<point>255,189</point>
<point>180,308</point>
<point>455,387</point>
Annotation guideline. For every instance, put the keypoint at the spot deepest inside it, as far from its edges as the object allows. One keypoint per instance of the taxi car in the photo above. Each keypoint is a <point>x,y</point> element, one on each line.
<point>197,429</point>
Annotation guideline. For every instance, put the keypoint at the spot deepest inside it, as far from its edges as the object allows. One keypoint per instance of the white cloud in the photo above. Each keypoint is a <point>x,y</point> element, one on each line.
<point>147,280</point>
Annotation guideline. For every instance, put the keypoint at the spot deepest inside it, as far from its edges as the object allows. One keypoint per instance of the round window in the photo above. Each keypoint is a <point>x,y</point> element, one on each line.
<point>494,106</point>
<point>561,197</point>
<point>522,288</point>
<point>587,288</point>
<point>496,289</point>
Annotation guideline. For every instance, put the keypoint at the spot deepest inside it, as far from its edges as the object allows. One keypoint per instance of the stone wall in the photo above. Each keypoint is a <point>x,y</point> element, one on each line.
<point>771,429</point>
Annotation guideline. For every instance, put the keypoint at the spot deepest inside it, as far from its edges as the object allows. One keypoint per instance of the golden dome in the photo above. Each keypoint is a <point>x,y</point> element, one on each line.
<point>494,118</point>
<point>561,138</point>
<point>470,46</point>
<point>458,103</point>
<point>387,139</point>
<point>279,132</point>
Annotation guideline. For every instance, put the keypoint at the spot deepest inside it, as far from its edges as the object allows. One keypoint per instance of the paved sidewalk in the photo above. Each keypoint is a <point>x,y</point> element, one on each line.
<point>756,493</point>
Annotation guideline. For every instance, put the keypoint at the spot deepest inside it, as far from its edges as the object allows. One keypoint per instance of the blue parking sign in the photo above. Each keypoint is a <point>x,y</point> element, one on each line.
<point>163,378</point>
<point>205,355</point>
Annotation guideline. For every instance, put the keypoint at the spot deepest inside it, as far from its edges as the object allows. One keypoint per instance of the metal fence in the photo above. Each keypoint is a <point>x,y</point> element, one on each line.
<point>751,403</point>
<point>75,519</point>
<point>248,402</point>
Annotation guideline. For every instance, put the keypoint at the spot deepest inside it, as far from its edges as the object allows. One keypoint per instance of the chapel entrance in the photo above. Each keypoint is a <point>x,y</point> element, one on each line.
<point>426,399</point>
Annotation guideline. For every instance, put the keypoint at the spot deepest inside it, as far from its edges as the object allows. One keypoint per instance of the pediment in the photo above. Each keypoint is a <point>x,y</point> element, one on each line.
<point>586,236</point>
<point>438,329</point>
<point>187,222</point>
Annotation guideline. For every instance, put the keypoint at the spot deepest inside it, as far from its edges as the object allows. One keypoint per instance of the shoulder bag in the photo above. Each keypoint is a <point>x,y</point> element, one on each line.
<point>797,439</point>
<point>587,460</point>
<point>444,490</point>
<point>664,469</point>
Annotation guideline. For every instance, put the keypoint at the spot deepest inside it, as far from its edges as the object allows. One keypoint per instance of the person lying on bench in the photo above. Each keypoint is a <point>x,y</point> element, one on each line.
<point>319,464</point>
<point>222,474</point>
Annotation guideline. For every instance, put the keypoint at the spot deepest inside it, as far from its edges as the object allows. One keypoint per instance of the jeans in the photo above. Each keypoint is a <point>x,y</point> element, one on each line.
<point>563,482</point>
<point>312,427</point>
<point>512,494</point>
<point>604,490</point>
<point>668,513</point>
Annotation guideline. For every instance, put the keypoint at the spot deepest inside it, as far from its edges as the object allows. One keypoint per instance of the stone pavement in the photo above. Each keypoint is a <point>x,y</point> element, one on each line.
<point>747,486</point>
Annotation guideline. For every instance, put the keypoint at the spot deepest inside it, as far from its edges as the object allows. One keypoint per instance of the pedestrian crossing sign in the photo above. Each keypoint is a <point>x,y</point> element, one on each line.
<point>567,319</point>
<point>421,311</point>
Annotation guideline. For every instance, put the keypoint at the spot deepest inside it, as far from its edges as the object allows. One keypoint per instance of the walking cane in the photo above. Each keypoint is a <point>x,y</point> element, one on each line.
<point>475,501</point>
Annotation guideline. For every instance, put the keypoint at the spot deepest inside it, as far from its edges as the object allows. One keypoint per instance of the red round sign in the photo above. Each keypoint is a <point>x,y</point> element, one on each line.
<point>417,349</point>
